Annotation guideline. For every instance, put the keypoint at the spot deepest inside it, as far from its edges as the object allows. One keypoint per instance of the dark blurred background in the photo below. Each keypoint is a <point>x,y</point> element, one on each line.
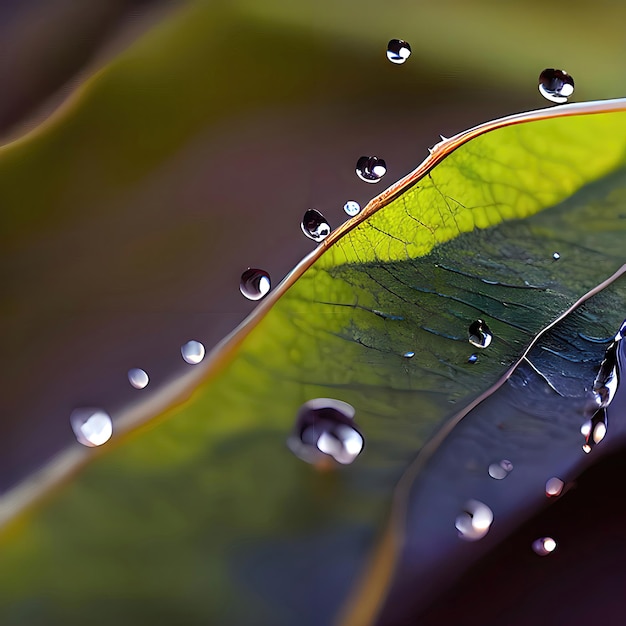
<point>155,149</point>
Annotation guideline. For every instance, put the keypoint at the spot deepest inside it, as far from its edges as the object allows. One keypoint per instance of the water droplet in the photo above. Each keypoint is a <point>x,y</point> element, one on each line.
<point>193,352</point>
<point>501,469</point>
<point>605,383</point>
<point>370,169</point>
<point>544,546</point>
<point>398,51</point>
<point>479,334</point>
<point>92,427</point>
<point>556,256</point>
<point>475,520</point>
<point>315,226</point>
<point>556,85</point>
<point>352,208</point>
<point>138,378</point>
<point>594,429</point>
<point>409,355</point>
<point>554,486</point>
<point>325,430</point>
<point>255,283</point>
<point>473,358</point>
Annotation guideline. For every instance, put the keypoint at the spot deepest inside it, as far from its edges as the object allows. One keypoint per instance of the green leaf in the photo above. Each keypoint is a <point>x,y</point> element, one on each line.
<point>204,515</point>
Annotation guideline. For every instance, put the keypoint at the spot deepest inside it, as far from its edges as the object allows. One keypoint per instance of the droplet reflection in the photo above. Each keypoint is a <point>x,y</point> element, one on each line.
<point>479,334</point>
<point>255,283</point>
<point>192,352</point>
<point>370,168</point>
<point>398,51</point>
<point>92,427</point>
<point>325,431</point>
<point>544,546</point>
<point>556,85</point>
<point>409,355</point>
<point>475,520</point>
<point>138,378</point>
<point>315,226</point>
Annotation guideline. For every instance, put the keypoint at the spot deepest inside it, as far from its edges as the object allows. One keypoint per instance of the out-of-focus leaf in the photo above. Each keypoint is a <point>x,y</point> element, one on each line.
<point>206,516</point>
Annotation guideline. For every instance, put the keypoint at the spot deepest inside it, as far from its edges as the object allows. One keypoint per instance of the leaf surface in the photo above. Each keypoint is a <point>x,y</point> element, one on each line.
<point>204,515</point>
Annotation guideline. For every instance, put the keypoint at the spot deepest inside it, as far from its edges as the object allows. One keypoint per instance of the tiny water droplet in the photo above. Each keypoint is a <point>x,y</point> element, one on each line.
<point>475,520</point>
<point>554,486</point>
<point>556,256</point>
<point>473,358</point>
<point>325,430</point>
<point>92,427</point>
<point>398,51</point>
<point>255,283</point>
<point>501,469</point>
<point>193,352</point>
<point>479,334</point>
<point>138,378</point>
<point>556,85</point>
<point>544,546</point>
<point>315,226</point>
<point>409,355</point>
<point>370,168</point>
<point>352,208</point>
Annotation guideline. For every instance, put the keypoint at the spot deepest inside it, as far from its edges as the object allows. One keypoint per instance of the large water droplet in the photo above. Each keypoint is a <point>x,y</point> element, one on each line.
<point>479,334</point>
<point>544,546</point>
<point>315,226</point>
<point>475,520</point>
<point>92,427</point>
<point>352,208</point>
<point>556,85</point>
<point>554,486</point>
<point>193,352</point>
<point>500,470</point>
<point>325,430</point>
<point>370,169</point>
<point>255,283</point>
<point>138,378</point>
<point>398,51</point>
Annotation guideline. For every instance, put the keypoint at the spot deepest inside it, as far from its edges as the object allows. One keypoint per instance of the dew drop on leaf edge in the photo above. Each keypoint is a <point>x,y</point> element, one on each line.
<point>556,85</point>
<point>370,168</point>
<point>92,427</point>
<point>138,378</point>
<point>398,51</point>
<point>255,283</point>
<point>315,226</point>
<point>192,352</point>
<point>352,208</point>
<point>544,546</point>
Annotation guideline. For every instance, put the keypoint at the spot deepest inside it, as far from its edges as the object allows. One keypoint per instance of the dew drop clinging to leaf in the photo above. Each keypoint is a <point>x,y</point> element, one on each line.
<point>138,378</point>
<point>92,427</point>
<point>352,208</point>
<point>501,469</point>
<point>556,85</point>
<point>324,432</point>
<point>398,51</point>
<point>554,487</point>
<point>544,546</point>
<point>314,225</point>
<point>192,352</point>
<point>475,520</point>
<point>479,334</point>
<point>370,168</point>
<point>255,283</point>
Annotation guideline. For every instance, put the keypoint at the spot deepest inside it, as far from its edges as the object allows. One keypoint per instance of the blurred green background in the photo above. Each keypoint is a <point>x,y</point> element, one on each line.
<point>153,150</point>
